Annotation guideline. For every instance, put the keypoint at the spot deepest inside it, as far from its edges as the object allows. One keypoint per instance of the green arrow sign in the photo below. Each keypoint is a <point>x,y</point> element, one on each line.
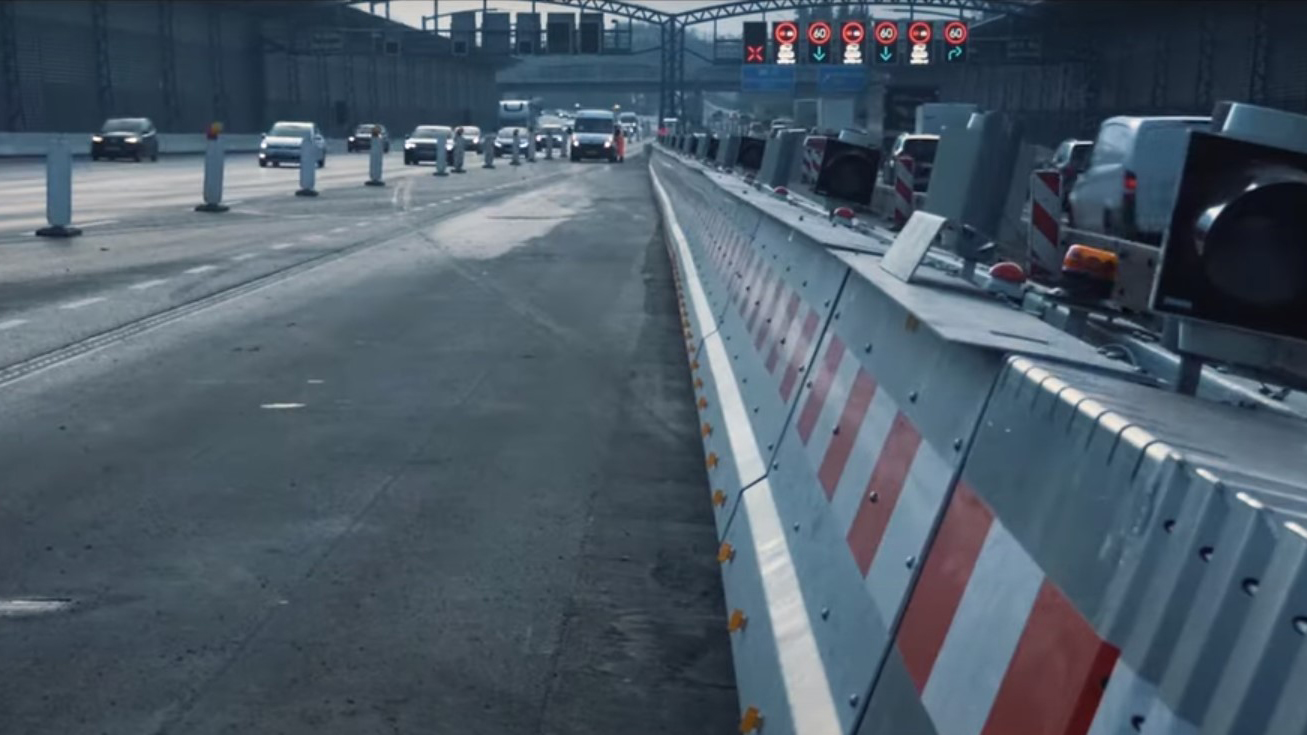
<point>885,53</point>
<point>819,54</point>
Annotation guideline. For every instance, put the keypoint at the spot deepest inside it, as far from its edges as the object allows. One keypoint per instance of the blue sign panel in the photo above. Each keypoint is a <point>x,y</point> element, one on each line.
<point>767,79</point>
<point>841,80</point>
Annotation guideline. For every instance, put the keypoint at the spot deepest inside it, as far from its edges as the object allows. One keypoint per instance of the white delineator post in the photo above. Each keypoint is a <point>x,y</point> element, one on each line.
<point>1044,241</point>
<point>488,151</point>
<point>442,153</point>
<point>549,146</point>
<point>459,145</point>
<point>59,190</point>
<point>214,160</point>
<point>517,141</point>
<point>308,167</point>
<point>530,147</point>
<point>376,152</point>
<point>904,168</point>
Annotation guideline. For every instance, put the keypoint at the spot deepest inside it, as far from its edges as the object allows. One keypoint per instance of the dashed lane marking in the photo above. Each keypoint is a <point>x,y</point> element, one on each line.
<point>148,284</point>
<point>200,269</point>
<point>100,222</point>
<point>244,256</point>
<point>83,303</point>
<point>283,245</point>
<point>339,230</point>
<point>281,406</point>
<point>12,323</point>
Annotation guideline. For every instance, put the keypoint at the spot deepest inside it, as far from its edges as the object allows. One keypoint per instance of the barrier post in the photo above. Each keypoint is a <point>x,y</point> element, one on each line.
<point>59,191</point>
<point>488,151</point>
<point>549,147</point>
<point>213,165</point>
<point>516,142</point>
<point>530,147</point>
<point>442,154</point>
<point>308,167</point>
<point>1044,235</point>
<point>375,153</point>
<point>459,145</point>
<point>904,172</point>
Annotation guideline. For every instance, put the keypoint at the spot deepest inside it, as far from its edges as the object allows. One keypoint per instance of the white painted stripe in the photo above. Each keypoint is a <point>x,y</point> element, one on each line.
<point>83,302</point>
<point>851,491</point>
<point>812,704</point>
<point>143,285</point>
<point>338,230</point>
<point>836,397</point>
<point>200,269</point>
<point>244,256</point>
<point>989,621</point>
<point>1126,696</point>
<point>27,608</point>
<point>791,336</point>
<point>12,323</point>
<point>100,222</point>
<point>360,224</point>
<point>233,202</point>
<point>281,406</point>
<point>283,245</point>
<point>909,525</point>
<point>315,238</point>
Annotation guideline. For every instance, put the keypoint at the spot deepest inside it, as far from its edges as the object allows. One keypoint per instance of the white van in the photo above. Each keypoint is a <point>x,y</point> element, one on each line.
<point>1129,188</point>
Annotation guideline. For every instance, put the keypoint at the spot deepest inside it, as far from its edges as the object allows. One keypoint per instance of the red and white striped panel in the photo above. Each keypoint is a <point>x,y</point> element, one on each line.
<point>884,484</point>
<point>904,183</point>
<point>1045,216</point>
<point>992,645</point>
<point>814,150</point>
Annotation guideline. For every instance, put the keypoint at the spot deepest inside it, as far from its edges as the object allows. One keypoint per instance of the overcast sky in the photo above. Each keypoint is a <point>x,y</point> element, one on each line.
<point>411,11</point>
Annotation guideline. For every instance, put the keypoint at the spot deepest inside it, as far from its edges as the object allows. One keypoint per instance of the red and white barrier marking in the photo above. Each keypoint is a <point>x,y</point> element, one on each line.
<point>1045,218</point>
<point>814,150</point>
<point>904,172</point>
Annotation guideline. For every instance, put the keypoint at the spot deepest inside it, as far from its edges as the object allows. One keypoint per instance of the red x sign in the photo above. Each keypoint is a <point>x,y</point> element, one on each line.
<point>753,54</point>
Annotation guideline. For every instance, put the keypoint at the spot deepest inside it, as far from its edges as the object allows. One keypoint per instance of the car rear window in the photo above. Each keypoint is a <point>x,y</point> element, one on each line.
<point>367,129</point>
<point>429,131</point>
<point>290,130</point>
<point>593,125</point>
<point>922,151</point>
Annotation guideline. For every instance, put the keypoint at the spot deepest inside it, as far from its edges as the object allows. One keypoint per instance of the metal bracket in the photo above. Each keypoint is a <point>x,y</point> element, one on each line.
<point>910,246</point>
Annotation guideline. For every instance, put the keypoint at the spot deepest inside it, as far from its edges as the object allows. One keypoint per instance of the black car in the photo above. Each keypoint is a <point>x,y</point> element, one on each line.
<point>361,138</point>
<point>126,137</point>
<point>504,141</point>
<point>548,133</point>
<point>421,144</point>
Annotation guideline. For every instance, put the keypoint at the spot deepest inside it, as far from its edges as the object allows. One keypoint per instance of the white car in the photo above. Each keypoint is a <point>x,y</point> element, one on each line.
<point>282,143</point>
<point>1128,190</point>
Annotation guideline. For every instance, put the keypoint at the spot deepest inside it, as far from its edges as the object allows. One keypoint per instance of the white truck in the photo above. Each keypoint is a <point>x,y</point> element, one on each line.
<point>934,117</point>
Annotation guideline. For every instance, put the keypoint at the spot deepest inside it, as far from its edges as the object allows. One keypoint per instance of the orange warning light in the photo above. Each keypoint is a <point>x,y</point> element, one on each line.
<point>1093,262</point>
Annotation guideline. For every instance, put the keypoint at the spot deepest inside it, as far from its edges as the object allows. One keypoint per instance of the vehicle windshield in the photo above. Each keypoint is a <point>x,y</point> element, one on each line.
<point>629,117</point>
<point>593,125</point>
<point>921,150</point>
<point>471,131</point>
<point>290,130</point>
<point>366,129</point>
<point>126,125</point>
<point>507,133</point>
<point>551,130</point>
<point>429,131</point>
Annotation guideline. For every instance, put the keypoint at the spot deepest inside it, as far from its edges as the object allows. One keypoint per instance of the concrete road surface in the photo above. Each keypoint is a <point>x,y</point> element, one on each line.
<point>431,467</point>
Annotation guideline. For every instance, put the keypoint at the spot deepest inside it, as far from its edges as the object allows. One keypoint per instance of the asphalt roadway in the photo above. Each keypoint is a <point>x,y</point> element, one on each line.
<point>420,459</point>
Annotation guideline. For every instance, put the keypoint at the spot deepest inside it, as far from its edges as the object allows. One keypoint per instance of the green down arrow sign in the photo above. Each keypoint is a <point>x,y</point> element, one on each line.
<point>885,53</point>
<point>819,54</point>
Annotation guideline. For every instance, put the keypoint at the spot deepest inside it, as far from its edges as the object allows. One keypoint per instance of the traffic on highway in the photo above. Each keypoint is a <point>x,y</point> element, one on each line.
<point>663,368</point>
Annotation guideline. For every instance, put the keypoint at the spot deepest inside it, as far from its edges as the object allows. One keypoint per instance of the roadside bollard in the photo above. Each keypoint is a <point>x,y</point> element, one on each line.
<point>530,147</point>
<point>459,145</point>
<point>59,190</point>
<point>488,150</point>
<point>213,164</point>
<point>375,152</point>
<point>308,167</point>
<point>517,141</point>
<point>442,154</point>
<point>549,147</point>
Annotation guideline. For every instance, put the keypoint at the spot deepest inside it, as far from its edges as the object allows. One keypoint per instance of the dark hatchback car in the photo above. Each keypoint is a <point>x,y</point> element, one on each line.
<point>361,138</point>
<point>126,137</point>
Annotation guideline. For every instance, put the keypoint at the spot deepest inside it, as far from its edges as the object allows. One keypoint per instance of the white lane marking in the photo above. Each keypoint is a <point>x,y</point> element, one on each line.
<point>17,608</point>
<point>233,202</point>
<point>283,245</point>
<point>148,284</point>
<point>99,222</point>
<point>315,238</point>
<point>361,224</point>
<point>281,406</point>
<point>83,302</point>
<point>244,256</point>
<point>11,324</point>
<point>315,381</point>
<point>200,269</point>
<point>339,230</point>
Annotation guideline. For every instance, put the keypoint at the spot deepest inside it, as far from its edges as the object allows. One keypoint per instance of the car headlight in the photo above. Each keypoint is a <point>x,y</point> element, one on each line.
<point>133,139</point>
<point>574,142</point>
<point>263,146</point>
<point>409,145</point>
<point>351,139</point>
<point>608,143</point>
<point>97,139</point>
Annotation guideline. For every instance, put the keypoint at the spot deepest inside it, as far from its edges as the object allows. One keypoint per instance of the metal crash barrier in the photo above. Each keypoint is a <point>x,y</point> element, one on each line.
<point>939,514</point>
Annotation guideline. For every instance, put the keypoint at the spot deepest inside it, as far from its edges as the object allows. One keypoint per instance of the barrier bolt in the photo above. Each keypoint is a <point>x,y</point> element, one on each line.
<point>375,153</point>
<point>712,460</point>
<point>707,429</point>
<point>738,621</point>
<point>59,190</point>
<point>725,553</point>
<point>213,165</point>
<point>751,721</point>
<point>718,498</point>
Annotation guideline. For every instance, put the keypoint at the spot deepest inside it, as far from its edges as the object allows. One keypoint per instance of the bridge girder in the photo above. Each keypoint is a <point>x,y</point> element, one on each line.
<point>756,7</point>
